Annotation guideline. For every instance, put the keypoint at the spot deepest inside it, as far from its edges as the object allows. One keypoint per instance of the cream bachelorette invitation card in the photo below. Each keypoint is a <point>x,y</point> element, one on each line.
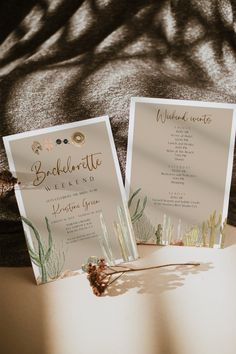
<point>71,197</point>
<point>179,167</point>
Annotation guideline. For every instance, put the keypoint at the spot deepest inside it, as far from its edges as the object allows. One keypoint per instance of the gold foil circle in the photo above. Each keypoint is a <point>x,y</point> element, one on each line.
<point>78,139</point>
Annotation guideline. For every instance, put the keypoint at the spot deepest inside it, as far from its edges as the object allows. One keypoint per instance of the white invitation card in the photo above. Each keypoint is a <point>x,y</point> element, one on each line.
<point>179,167</point>
<point>71,197</point>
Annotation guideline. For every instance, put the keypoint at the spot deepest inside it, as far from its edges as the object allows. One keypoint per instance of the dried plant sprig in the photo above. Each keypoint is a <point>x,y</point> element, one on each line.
<point>7,182</point>
<point>100,275</point>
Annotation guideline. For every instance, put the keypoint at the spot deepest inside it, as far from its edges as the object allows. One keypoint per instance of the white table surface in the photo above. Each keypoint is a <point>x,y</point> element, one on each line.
<point>166,311</point>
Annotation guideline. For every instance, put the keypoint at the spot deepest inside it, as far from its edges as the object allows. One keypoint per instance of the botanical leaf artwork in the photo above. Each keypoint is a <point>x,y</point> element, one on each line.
<point>213,225</point>
<point>139,209</point>
<point>50,257</point>
<point>143,229</point>
<point>123,235</point>
<point>211,232</point>
<point>47,256</point>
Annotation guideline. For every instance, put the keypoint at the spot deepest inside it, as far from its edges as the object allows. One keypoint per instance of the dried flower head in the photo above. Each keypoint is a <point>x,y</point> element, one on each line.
<point>48,144</point>
<point>36,147</point>
<point>7,182</point>
<point>98,279</point>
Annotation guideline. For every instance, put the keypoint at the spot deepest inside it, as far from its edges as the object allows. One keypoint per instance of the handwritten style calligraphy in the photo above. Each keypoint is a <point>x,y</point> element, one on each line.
<point>164,115</point>
<point>89,162</point>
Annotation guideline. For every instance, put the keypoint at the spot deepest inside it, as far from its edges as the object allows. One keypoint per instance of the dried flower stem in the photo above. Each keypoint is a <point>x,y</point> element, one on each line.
<point>120,275</point>
<point>149,268</point>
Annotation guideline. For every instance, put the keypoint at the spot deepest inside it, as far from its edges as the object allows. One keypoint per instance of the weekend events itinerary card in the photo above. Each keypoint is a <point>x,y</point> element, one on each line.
<point>179,168</point>
<point>71,197</point>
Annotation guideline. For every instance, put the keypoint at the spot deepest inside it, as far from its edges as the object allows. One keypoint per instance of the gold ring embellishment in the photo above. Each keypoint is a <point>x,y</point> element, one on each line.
<point>78,138</point>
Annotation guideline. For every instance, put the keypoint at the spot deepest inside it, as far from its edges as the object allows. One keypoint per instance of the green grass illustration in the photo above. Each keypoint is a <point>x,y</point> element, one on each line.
<point>55,262</point>
<point>43,253</point>
<point>213,226</point>
<point>138,212</point>
<point>223,233</point>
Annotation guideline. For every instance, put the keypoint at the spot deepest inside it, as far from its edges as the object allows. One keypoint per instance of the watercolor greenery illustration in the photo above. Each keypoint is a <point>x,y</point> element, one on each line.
<point>143,228</point>
<point>123,235</point>
<point>210,233</point>
<point>48,257</point>
<point>138,211</point>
